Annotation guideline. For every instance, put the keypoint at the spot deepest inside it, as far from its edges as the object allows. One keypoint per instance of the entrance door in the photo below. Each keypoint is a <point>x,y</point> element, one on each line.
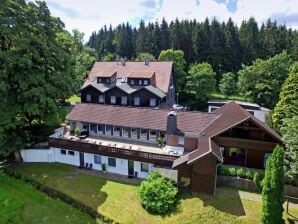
<point>82,163</point>
<point>130,168</point>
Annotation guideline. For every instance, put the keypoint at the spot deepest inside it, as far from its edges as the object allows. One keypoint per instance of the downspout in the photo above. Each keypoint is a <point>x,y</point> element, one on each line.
<point>216,178</point>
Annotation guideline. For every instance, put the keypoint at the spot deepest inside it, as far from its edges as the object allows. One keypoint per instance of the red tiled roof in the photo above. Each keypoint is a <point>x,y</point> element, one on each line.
<point>140,74</point>
<point>105,73</point>
<point>138,117</point>
<point>162,69</point>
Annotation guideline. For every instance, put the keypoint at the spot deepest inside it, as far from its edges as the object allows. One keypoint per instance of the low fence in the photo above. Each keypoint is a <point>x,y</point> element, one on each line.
<point>249,185</point>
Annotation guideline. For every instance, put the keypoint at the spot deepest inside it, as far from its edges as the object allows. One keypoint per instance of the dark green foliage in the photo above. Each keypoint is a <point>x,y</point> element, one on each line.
<point>290,140</point>
<point>273,188</point>
<point>258,181</point>
<point>158,194</point>
<point>200,82</point>
<point>249,174</point>
<point>287,105</point>
<point>37,71</point>
<point>227,84</point>
<point>177,56</point>
<point>241,173</point>
<point>262,81</point>
<point>233,172</point>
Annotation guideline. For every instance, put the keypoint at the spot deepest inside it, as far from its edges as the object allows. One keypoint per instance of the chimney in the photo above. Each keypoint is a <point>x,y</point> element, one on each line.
<point>146,62</point>
<point>122,61</point>
<point>171,123</point>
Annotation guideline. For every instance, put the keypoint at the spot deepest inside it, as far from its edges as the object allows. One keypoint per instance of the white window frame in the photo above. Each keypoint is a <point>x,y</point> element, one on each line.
<point>136,101</point>
<point>100,131</point>
<point>125,132</point>
<point>108,132</point>
<point>151,102</point>
<point>181,140</point>
<point>123,100</point>
<point>145,82</point>
<point>117,132</point>
<point>142,134</point>
<point>146,170</point>
<point>140,82</point>
<point>88,98</point>
<point>132,82</point>
<point>113,99</point>
<point>101,99</point>
<point>95,161</point>
<point>132,134</point>
<point>115,162</point>
<point>151,136</point>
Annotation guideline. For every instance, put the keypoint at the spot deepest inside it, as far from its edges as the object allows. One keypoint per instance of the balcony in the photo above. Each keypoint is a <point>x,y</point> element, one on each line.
<point>114,148</point>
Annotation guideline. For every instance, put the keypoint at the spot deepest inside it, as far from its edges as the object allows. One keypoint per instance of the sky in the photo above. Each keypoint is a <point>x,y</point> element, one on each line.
<point>91,15</point>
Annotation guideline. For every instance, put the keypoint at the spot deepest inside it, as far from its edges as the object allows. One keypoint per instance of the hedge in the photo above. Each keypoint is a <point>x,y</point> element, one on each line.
<point>53,193</point>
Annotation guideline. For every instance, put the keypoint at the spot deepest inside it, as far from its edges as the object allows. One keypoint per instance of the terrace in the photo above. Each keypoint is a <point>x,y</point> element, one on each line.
<point>121,148</point>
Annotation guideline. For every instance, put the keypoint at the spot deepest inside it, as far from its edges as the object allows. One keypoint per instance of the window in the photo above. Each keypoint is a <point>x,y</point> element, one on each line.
<point>124,100</point>
<point>145,82</point>
<point>93,128</point>
<point>112,162</point>
<point>140,82</point>
<point>113,100</point>
<point>125,132</point>
<point>63,152</point>
<point>100,128</point>
<point>117,131</point>
<point>145,167</point>
<point>108,81</point>
<point>222,151</point>
<point>101,99</point>
<point>137,101</point>
<point>108,129</point>
<point>71,153</point>
<point>181,140</point>
<point>132,82</point>
<point>153,135</point>
<point>99,80</point>
<point>88,98</point>
<point>152,102</point>
<point>143,134</point>
<point>134,133</point>
<point>85,126</point>
<point>97,159</point>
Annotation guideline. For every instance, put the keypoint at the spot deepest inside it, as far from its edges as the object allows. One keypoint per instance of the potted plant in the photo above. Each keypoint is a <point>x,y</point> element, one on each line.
<point>103,167</point>
<point>77,131</point>
<point>160,140</point>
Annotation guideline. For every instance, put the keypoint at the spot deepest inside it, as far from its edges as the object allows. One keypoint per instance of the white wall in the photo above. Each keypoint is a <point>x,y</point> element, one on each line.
<point>261,115</point>
<point>54,155</point>
<point>68,159</point>
<point>37,155</point>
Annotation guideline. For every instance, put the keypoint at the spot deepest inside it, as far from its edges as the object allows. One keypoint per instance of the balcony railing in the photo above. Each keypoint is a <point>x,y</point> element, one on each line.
<point>130,154</point>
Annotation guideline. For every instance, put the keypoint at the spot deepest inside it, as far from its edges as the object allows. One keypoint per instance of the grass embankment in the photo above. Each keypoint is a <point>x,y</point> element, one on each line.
<point>20,203</point>
<point>120,202</point>
<point>219,96</point>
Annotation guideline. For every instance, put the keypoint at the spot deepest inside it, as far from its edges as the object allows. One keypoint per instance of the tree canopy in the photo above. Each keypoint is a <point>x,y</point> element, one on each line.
<point>287,105</point>
<point>36,65</point>
<point>201,81</point>
<point>227,84</point>
<point>177,57</point>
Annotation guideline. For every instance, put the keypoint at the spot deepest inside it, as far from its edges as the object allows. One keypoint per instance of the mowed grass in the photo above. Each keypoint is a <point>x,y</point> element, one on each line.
<point>21,203</point>
<point>73,99</point>
<point>120,201</point>
<point>217,95</point>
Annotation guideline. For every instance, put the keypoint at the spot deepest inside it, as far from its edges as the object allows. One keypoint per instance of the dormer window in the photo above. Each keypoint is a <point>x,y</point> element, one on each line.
<point>101,99</point>
<point>145,82</point>
<point>107,81</point>
<point>132,82</point>
<point>113,100</point>
<point>88,98</point>
<point>99,80</point>
<point>140,82</point>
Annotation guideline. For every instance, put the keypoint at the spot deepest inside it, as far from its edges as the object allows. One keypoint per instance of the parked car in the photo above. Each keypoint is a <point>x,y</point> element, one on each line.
<point>177,107</point>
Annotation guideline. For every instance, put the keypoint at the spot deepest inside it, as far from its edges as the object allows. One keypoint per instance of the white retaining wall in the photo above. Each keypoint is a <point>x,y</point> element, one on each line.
<point>54,155</point>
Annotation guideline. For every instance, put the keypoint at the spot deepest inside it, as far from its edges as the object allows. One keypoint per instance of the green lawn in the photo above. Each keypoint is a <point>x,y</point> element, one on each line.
<point>217,95</point>
<point>120,201</point>
<point>21,203</point>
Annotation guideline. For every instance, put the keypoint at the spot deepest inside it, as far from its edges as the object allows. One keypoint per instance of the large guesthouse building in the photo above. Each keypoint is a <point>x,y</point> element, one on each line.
<point>125,125</point>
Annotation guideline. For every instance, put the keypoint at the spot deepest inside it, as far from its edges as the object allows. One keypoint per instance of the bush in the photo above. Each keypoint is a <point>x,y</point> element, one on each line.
<point>232,172</point>
<point>249,175</point>
<point>158,194</point>
<point>241,173</point>
<point>258,181</point>
<point>77,131</point>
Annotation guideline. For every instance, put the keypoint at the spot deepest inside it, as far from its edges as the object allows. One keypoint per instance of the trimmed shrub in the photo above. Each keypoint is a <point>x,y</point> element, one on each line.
<point>258,181</point>
<point>158,194</point>
<point>240,173</point>
<point>232,172</point>
<point>249,174</point>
